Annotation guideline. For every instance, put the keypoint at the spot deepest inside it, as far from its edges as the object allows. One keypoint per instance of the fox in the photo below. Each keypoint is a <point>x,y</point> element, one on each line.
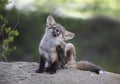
<point>55,53</point>
<point>55,35</point>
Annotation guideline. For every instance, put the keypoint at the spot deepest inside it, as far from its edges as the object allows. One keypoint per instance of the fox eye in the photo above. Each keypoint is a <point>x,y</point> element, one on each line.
<point>57,30</point>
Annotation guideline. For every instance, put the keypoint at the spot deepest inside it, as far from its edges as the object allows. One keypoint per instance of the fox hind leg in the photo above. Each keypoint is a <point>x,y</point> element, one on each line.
<point>70,50</point>
<point>70,54</point>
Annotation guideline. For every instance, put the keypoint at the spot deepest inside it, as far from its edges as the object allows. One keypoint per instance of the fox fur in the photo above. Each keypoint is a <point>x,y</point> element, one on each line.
<point>56,53</point>
<point>54,35</point>
<point>69,59</point>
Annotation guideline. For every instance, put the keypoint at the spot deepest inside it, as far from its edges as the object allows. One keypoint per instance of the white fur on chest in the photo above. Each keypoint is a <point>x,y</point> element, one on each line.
<point>49,43</point>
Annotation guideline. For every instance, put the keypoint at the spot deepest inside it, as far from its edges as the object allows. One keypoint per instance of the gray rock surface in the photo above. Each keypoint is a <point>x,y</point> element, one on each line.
<point>24,73</point>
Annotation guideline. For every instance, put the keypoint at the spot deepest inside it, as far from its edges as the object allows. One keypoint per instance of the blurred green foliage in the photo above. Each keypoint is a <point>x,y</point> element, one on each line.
<point>80,8</point>
<point>97,38</point>
<point>7,34</point>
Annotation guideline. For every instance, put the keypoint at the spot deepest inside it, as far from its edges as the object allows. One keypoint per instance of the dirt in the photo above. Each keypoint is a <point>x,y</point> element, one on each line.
<point>24,73</point>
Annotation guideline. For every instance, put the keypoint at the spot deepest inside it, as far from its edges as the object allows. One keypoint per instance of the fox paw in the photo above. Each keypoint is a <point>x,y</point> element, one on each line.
<point>39,71</point>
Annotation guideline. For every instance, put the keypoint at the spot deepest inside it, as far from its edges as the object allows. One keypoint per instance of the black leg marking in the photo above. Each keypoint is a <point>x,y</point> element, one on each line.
<point>53,68</point>
<point>97,71</point>
<point>60,51</point>
<point>41,65</point>
<point>61,57</point>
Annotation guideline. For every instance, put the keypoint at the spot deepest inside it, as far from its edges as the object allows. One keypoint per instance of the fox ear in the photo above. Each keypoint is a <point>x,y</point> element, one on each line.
<point>50,20</point>
<point>68,35</point>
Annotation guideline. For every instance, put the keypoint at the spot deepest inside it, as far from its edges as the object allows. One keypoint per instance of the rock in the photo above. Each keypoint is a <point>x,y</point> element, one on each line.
<point>24,73</point>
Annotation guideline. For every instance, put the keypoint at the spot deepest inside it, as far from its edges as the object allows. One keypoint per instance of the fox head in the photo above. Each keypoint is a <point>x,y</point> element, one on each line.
<point>57,30</point>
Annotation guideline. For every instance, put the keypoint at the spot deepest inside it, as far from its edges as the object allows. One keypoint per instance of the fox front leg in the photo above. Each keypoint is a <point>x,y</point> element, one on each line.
<point>41,65</point>
<point>53,63</point>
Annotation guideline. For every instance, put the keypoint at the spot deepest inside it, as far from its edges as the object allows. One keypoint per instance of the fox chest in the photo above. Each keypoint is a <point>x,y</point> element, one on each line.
<point>49,44</point>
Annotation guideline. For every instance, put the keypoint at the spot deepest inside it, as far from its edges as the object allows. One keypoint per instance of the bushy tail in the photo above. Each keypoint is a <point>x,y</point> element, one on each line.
<point>88,66</point>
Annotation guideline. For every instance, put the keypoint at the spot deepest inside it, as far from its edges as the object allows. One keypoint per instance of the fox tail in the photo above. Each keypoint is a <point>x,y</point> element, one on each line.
<point>87,66</point>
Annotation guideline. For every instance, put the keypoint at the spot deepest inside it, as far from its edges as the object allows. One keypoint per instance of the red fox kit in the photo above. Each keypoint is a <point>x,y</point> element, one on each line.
<point>54,35</point>
<point>54,51</point>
